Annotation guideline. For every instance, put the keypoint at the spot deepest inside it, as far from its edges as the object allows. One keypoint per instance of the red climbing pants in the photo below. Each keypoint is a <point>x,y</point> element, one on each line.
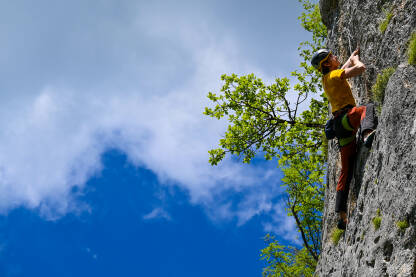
<point>355,116</point>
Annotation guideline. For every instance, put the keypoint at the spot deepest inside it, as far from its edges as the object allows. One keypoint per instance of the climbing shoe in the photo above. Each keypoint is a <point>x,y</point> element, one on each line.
<point>368,141</point>
<point>341,224</point>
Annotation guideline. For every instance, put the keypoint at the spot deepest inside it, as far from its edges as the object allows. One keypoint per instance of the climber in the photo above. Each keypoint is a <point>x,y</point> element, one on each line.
<point>347,117</point>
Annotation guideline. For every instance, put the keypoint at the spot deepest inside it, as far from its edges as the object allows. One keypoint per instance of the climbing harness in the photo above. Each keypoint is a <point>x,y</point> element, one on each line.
<point>339,127</point>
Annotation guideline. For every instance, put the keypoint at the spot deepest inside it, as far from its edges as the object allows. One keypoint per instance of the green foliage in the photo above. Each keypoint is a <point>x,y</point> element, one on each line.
<point>412,49</point>
<point>379,87</point>
<point>377,220</point>
<point>263,120</point>
<point>385,22</point>
<point>286,260</point>
<point>336,235</point>
<point>402,224</point>
<point>261,117</point>
<point>311,21</point>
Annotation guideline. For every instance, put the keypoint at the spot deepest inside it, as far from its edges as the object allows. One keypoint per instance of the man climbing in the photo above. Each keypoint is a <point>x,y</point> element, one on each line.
<point>347,117</point>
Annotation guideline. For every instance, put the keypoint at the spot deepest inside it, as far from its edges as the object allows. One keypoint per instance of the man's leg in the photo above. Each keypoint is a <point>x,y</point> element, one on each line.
<point>347,161</point>
<point>364,116</point>
<point>356,115</point>
<point>368,126</point>
<point>369,122</point>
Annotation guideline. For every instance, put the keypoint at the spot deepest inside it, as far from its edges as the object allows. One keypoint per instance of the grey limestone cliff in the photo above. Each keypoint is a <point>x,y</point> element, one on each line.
<point>385,176</point>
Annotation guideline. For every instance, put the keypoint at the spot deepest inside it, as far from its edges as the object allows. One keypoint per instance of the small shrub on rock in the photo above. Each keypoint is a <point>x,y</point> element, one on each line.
<point>386,21</point>
<point>336,235</point>
<point>377,220</point>
<point>402,224</point>
<point>362,236</point>
<point>412,49</point>
<point>379,87</point>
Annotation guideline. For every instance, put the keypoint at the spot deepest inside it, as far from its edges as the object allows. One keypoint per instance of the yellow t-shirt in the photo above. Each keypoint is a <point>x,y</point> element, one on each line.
<point>337,90</point>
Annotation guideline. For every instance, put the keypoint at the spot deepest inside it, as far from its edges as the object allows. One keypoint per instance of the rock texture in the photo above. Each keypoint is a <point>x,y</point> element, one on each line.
<point>385,176</point>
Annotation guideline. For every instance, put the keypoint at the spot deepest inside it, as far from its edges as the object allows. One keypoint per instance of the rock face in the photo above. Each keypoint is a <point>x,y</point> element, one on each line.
<point>385,176</point>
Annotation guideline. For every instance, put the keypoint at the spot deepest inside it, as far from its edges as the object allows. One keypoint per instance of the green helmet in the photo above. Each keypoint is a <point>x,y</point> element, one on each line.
<point>319,57</point>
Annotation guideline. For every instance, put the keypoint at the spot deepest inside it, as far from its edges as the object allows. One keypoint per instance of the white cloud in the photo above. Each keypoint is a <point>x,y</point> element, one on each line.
<point>52,138</point>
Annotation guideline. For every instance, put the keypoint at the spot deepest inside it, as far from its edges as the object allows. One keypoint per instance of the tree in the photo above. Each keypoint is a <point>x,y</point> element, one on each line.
<point>287,261</point>
<point>262,120</point>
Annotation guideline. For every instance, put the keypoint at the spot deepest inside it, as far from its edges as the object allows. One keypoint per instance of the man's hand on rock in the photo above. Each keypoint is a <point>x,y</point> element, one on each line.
<point>354,58</point>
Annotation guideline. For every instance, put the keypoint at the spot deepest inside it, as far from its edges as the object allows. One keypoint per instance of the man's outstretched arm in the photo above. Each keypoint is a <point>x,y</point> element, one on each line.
<point>353,67</point>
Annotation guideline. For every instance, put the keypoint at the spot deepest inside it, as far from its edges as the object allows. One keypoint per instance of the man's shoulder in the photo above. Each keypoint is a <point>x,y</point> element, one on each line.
<point>335,74</point>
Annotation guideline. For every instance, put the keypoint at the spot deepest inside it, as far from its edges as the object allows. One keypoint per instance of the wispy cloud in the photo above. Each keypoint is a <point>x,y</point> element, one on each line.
<point>157,213</point>
<point>283,225</point>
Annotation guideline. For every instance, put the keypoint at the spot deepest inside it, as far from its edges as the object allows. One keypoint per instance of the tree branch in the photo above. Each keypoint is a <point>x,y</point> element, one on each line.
<point>292,208</point>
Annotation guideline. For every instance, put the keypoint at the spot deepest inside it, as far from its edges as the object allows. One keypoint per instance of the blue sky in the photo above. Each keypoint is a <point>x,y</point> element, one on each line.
<point>104,165</point>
